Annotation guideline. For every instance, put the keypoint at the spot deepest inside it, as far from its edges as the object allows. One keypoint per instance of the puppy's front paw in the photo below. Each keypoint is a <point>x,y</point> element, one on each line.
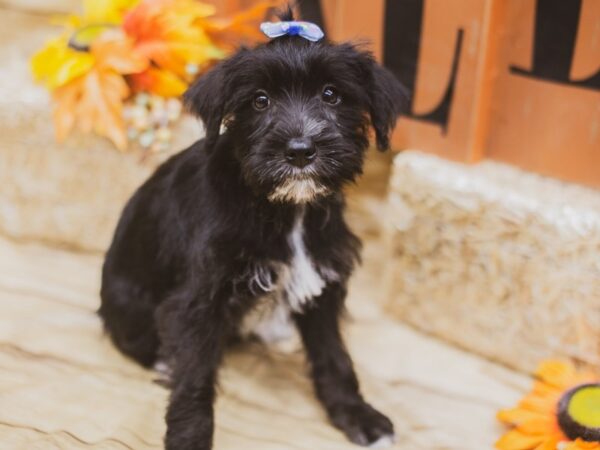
<point>364,425</point>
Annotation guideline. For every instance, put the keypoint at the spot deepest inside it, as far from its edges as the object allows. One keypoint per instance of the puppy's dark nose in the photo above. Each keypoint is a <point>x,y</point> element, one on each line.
<point>300,152</point>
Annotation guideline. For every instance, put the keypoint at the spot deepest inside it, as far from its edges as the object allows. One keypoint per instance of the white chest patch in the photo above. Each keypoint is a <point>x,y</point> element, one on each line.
<point>298,282</point>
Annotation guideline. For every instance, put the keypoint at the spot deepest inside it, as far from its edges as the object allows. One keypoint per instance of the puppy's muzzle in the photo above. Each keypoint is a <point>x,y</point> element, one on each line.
<point>300,152</point>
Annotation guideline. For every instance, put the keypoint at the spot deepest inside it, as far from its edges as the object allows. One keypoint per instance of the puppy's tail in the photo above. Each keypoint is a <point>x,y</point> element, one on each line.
<point>128,317</point>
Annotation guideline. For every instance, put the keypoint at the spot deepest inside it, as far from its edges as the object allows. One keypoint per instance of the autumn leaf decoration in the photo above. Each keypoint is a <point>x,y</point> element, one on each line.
<point>95,99</point>
<point>119,48</point>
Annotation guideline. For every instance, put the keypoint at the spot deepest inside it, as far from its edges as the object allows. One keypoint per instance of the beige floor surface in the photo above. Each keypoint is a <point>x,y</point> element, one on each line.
<point>63,386</point>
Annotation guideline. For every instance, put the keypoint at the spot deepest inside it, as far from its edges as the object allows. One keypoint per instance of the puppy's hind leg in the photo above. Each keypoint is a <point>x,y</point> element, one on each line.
<point>193,332</point>
<point>128,315</point>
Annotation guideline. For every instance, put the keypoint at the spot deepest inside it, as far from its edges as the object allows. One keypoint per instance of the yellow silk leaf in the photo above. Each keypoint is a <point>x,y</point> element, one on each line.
<point>57,64</point>
<point>190,8</point>
<point>160,47</point>
<point>106,11</point>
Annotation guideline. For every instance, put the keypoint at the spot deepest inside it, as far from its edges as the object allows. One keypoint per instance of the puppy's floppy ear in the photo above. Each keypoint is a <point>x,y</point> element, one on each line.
<point>209,96</point>
<point>388,99</point>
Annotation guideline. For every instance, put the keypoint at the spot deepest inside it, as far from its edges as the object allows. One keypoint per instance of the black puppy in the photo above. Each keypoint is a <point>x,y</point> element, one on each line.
<point>252,220</point>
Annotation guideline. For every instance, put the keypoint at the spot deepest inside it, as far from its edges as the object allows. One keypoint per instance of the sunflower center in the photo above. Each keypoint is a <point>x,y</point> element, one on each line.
<point>579,412</point>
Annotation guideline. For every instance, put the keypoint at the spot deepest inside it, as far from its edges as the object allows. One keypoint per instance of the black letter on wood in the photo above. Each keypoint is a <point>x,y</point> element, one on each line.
<point>402,41</point>
<point>556,23</point>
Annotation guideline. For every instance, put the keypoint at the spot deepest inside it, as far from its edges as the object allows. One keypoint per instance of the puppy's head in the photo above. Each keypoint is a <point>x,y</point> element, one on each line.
<point>299,113</point>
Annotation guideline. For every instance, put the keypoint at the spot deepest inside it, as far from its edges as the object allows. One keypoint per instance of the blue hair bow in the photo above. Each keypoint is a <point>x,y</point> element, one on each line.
<point>306,30</point>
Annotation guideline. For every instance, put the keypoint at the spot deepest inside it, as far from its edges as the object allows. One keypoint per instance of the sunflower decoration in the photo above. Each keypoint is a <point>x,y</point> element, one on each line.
<point>562,412</point>
<point>120,68</point>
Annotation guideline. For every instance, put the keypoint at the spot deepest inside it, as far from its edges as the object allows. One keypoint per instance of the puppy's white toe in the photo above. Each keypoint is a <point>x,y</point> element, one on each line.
<point>162,368</point>
<point>163,372</point>
<point>384,441</point>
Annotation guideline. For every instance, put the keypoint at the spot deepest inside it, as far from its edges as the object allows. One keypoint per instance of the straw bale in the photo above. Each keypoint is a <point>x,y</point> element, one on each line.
<point>70,194</point>
<point>498,261</point>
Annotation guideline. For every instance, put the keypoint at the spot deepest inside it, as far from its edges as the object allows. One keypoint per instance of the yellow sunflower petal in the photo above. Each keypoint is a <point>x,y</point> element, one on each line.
<point>557,373</point>
<point>539,425</point>
<point>516,440</point>
<point>543,389</point>
<point>538,403</point>
<point>582,445</point>
<point>549,444</point>
<point>515,416</point>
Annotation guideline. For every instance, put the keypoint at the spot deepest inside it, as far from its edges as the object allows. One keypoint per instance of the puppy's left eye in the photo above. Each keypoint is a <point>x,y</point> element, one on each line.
<point>261,101</point>
<point>330,95</point>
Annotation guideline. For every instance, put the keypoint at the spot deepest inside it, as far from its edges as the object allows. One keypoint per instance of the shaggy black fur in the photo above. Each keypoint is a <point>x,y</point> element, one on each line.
<point>182,270</point>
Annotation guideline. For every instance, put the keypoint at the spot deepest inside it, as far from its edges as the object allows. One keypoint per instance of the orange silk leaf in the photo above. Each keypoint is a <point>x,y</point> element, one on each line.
<point>241,27</point>
<point>95,102</point>
<point>116,51</point>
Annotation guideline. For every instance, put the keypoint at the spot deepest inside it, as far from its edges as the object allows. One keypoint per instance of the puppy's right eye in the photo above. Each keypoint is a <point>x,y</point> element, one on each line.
<point>330,95</point>
<point>261,101</point>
